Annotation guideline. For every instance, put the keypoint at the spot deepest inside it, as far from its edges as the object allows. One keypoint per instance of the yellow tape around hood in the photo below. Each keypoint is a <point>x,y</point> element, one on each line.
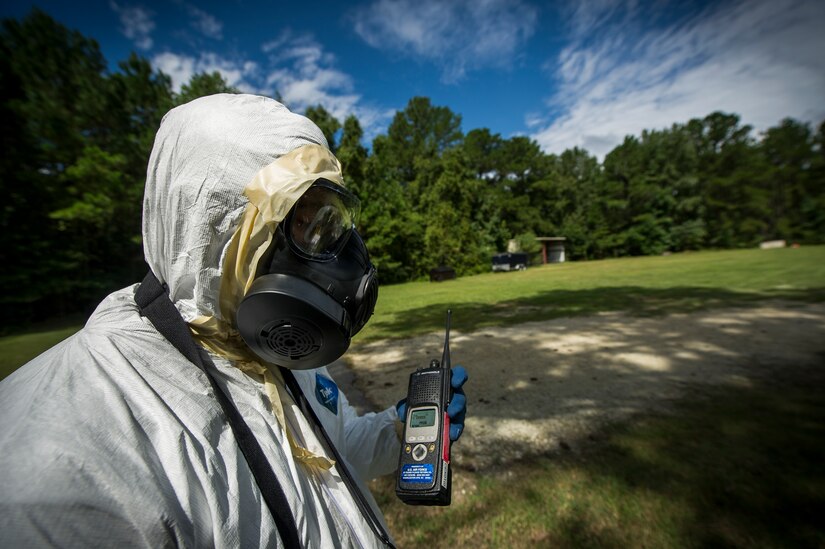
<point>271,193</point>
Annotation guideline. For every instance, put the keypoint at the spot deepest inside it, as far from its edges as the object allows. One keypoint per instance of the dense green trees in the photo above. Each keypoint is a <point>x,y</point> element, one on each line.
<point>76,139</point>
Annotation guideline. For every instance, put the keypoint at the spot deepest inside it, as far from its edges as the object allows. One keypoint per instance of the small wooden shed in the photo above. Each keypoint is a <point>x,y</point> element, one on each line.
<point>552,249</point>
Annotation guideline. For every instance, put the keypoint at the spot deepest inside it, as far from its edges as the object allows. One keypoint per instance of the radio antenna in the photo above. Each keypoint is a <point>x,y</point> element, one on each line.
<point>445,357</point>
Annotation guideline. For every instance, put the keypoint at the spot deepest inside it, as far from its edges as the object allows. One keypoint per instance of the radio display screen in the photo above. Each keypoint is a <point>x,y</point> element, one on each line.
<point>422,418</point>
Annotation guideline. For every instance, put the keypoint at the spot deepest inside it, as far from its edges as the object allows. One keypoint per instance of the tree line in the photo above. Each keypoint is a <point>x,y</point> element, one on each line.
<point>76,138</point>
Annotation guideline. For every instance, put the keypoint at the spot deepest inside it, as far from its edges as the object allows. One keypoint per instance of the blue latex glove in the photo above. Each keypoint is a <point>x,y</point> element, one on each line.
<point>457,408</point>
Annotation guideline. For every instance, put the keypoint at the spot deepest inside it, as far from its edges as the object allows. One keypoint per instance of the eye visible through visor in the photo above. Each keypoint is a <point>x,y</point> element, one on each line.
<point>321,221</point>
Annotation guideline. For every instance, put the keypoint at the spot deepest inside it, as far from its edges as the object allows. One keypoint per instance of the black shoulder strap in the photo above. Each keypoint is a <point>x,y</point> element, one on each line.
<point>154,303</point>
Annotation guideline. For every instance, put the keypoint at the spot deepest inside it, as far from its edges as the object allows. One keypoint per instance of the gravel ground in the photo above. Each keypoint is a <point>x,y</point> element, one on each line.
<point>542,386</point>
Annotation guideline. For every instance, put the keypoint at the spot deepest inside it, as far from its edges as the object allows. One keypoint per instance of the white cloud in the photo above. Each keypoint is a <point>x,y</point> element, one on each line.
<point>180,68</point>
<point>760,59</point>
<point>205,23</point>
<point>534,119</point>
<point>458,35</point>
<point>297,67</point>
<point>305,75</point>
<point>136,24</point>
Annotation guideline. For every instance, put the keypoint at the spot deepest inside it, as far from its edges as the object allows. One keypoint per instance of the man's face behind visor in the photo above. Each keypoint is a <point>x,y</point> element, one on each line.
<point>320,223</point>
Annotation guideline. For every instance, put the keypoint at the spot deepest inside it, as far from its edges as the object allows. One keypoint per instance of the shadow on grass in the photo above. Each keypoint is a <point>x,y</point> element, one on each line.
<point>634,300</point>
<point>734,467</point>
<point>740,466</point>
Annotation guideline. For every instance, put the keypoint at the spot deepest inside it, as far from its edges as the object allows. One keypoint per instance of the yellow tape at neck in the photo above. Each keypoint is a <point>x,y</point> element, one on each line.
<point>271,193</point>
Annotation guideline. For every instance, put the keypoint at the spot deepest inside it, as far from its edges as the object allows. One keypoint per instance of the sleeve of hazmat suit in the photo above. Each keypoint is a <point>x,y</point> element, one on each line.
<point>369,441</point>
<point>112,437</point>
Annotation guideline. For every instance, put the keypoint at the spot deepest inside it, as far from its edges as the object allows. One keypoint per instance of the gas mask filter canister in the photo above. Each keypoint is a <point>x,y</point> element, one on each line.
<point>316,286</point>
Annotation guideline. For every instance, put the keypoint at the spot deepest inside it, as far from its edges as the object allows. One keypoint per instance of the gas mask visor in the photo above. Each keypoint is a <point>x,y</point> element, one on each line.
<point>318,226</point>
<point>315,288</point>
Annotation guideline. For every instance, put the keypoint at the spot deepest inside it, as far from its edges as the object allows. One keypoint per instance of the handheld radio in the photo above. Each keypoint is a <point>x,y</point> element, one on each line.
<point>424,474</point>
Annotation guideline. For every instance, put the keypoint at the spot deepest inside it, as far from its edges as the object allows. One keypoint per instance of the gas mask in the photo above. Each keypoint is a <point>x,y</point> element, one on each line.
<point>315,287</point>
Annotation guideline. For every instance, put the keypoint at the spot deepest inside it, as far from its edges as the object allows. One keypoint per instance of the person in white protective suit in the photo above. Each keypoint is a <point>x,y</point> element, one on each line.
<point>115,437</point>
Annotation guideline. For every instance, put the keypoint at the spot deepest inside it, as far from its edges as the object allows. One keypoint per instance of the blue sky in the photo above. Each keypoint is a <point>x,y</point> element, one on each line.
<point>563,73</point>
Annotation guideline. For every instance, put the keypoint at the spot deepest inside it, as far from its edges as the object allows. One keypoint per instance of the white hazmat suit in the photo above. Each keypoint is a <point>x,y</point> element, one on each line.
<point>114,438</point>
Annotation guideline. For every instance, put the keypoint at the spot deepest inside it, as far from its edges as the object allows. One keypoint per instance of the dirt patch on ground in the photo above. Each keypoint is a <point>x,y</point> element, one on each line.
<point>547,386</point>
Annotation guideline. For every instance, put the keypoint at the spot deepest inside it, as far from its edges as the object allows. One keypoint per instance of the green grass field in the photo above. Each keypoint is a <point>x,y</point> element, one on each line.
<point>733,468</point>
<point>639,285</point>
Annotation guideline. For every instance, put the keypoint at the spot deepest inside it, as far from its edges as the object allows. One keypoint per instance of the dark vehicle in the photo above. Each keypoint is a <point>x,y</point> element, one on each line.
<point>510,262</point>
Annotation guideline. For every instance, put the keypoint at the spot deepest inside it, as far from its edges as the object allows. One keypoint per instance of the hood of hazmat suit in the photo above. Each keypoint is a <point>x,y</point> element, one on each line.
<point>112,436</point>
